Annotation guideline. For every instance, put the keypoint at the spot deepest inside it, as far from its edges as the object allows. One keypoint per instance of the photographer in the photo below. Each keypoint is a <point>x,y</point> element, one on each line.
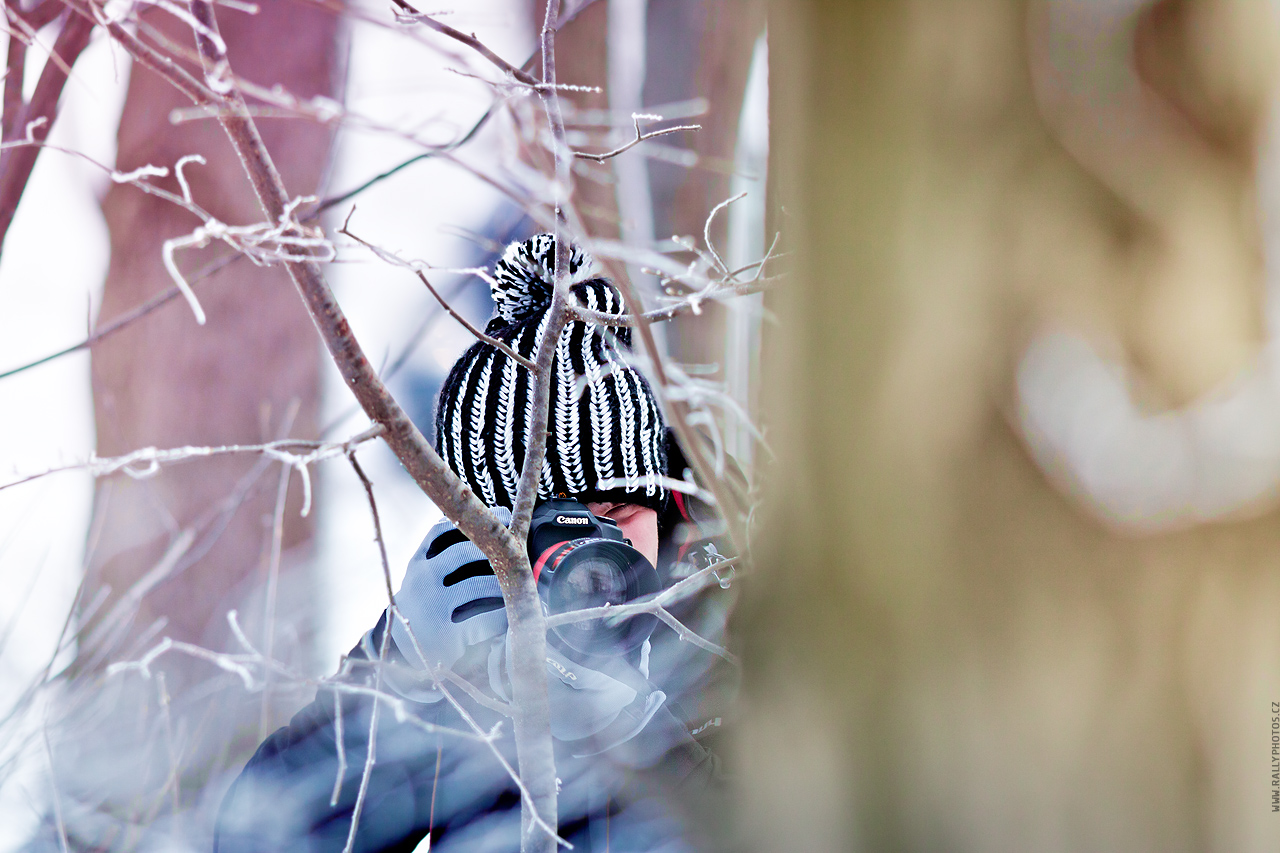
<point>624,698</point>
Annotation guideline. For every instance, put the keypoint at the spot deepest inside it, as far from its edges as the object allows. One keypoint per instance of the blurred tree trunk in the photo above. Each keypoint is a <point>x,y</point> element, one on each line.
<point>166,381</point>
<point>699,49</point>
<point>695,49</point>
<point>946,648</point>
<point>196,538</point>
<point>582,59</point>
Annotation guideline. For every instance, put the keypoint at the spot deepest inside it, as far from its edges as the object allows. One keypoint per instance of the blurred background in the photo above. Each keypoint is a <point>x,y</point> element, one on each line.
<point>1020,563</point>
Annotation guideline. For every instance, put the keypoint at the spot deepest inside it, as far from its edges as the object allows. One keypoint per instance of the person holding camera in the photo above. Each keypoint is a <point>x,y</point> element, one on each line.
<point>626,696</point>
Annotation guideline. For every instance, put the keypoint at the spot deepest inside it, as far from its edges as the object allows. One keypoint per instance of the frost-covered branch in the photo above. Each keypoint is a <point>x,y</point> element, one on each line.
<point>640,137</point>
<point>657,605</point>
<point>147,461</point>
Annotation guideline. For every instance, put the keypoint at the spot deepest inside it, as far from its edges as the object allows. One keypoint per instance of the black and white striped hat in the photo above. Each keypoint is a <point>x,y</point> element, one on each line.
<point>605,432</point>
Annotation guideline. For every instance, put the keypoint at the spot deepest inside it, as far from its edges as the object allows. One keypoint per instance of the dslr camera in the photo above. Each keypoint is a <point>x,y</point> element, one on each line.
<point>579,561</point>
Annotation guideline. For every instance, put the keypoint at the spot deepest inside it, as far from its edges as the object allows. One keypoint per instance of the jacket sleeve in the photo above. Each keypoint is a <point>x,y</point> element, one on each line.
<point>424,780</point>
<point>283,799</point>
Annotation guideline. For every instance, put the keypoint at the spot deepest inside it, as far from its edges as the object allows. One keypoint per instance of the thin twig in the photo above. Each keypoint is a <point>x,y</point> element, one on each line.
<point>147,461</point>
<point>269,597</point>
<point>166,719</point>
<point>130,317</point>
<point>488,339</point>
<point>145,54</point>
<point>377,531</point>
<point>678,410</point>
<point>477,695</point>
<point>706,231</point>
<point>657,605</point>
<point>640,137</point>
<point>492,341</point>
<point>371,751</point>
<point>387,373</point>
<point>470,41</point>
<point>334,201</point>
<point>526,797</point>
<point>57,797</point>
<point>339,742</point>
<point>693,637</point>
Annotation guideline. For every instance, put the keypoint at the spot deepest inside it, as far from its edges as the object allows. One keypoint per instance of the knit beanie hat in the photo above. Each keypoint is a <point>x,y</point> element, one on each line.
<point>605,432</point>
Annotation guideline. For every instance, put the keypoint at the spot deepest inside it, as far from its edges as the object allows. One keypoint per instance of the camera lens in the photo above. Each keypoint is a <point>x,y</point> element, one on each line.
<point>595,582</point>
<point>593,573</point>
<point>592,577</point>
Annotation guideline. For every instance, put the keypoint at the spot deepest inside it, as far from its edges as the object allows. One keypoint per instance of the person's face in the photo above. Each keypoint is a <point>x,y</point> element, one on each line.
<point>638,523</point>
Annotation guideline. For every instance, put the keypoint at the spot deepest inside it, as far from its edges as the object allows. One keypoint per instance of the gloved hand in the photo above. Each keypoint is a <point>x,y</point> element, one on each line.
<point>450,598</point>
<point>453,602</point>
<point>594,707</point>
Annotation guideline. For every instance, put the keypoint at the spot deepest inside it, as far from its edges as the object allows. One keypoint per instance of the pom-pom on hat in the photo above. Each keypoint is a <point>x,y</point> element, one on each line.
<point>605,432</point>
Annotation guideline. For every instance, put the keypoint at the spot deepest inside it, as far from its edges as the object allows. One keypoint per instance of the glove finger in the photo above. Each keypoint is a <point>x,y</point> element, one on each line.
<point>450,598</point>
<point>444,525</point>
<point>438,564</point>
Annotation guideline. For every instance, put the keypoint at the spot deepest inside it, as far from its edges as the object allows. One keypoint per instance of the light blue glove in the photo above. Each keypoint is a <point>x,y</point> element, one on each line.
<point>451,600</point>
<point>596,708</point>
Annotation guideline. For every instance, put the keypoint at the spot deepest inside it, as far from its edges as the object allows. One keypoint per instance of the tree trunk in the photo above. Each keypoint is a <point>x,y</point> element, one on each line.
<point>166,381</point>
<point>250,374</point>
<point>699,50</point>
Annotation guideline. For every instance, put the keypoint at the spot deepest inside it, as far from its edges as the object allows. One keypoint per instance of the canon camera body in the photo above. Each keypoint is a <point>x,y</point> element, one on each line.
<point>582,561</point>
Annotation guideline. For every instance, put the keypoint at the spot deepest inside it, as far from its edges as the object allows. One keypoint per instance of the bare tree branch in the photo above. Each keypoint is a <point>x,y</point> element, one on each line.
<point>412,14</point>
<point>39,114</point>
<point>506,553</point>
<point>387,256</point>
<point>640,137</point>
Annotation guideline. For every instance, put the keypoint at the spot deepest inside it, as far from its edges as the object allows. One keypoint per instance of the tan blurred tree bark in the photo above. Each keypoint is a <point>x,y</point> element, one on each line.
<point>946,649</point>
